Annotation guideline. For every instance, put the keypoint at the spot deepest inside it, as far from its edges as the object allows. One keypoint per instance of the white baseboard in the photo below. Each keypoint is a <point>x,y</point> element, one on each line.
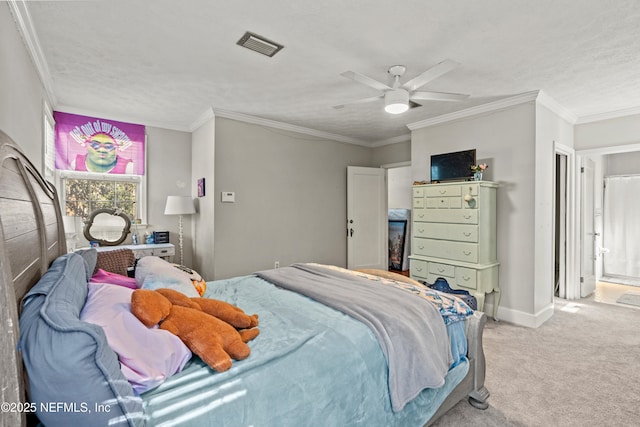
<point>521,318</point>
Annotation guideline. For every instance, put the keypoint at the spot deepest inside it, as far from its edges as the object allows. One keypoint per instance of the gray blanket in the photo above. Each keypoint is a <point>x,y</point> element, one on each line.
<point>410,330</point>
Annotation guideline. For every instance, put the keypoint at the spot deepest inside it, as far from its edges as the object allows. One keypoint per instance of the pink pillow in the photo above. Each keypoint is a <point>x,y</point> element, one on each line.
<point>103,276</point>
<point>148,356</point>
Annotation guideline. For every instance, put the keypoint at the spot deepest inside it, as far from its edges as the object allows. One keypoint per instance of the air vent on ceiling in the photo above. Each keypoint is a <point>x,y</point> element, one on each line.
<point>259,44</point>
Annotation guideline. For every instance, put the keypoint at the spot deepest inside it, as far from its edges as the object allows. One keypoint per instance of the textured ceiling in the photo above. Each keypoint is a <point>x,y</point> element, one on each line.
<point>166,63</point>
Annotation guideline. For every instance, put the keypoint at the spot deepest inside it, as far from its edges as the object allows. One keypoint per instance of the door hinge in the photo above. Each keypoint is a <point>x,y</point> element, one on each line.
<point>581,169</point>
<point>581,279</point>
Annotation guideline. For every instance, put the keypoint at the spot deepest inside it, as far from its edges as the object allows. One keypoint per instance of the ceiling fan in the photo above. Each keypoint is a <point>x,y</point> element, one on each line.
<point>398,97</point>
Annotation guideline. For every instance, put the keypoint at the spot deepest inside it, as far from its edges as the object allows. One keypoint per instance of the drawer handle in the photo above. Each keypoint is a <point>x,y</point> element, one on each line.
<point>466,252</point>
<point>419,268</point>
<point>441,270</point>
<point>443,191</point>
<point>420,230</point>
<point>466,278</point>
<point>420,247</point>
<point>466,234</point>
<point>467,216</point>
<point>164,251</point>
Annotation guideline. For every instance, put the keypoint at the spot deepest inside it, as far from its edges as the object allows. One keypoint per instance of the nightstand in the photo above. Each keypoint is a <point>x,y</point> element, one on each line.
<point>162,250</point>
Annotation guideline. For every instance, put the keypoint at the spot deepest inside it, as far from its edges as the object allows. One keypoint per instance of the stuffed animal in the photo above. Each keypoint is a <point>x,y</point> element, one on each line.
<point>214,330</point>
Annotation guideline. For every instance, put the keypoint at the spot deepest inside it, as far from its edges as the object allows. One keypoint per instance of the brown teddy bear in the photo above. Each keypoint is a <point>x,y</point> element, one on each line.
<point>206,326</point>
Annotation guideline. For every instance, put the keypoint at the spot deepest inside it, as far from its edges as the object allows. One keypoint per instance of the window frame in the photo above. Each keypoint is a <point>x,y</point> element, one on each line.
<point>139,180</point>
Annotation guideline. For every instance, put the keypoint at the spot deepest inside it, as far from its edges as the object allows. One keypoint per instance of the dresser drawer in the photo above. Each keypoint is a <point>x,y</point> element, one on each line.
<point>418,268</point>
<point>458,251</point>
<point>466,278</point>
<point>457,232</point>
<point>444,202</point>
<point>162,252</point>
<point>419,214</point>
<point>452,216</point>
<point>418,203</point>
<point>442,270</point>
<point>443,190</point>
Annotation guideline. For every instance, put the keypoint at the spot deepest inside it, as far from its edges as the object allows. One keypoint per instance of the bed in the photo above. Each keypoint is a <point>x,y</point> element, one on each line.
<point>312,364</point>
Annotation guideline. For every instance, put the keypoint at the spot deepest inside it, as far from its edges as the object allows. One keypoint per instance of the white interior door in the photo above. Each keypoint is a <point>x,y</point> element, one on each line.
<point>587,230</point>
<point>367,223</point>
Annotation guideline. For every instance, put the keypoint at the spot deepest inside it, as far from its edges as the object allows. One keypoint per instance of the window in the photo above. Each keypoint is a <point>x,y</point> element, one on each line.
<point>83,195</point>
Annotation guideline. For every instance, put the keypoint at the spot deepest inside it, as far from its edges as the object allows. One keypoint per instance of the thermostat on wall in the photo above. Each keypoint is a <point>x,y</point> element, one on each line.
<point>228,197</point>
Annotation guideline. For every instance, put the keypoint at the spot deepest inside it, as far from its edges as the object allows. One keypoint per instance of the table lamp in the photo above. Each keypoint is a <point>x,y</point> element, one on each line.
<point>70,231</point>
<point>179,205</point>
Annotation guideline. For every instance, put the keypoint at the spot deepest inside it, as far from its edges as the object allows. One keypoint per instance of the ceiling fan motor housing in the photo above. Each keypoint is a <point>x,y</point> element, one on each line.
<point>396,101</point>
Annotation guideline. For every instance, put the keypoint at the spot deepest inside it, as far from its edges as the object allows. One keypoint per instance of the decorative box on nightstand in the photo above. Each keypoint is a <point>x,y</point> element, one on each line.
<point>162,250</point>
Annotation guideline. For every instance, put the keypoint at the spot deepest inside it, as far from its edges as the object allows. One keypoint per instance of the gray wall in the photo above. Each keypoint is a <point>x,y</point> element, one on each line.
<point>22,95</point>
<point>610,133</point>
<point>169,174</point>
<point>202,166</point>
<point>392,153</point>
<point>518,145</point>
<point>549,131</point>
<point>290,192</point>
<point>506,141</point>
<point>623,163</point>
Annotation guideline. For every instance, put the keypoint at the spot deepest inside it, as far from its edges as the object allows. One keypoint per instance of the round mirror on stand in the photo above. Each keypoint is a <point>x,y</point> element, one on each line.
<point>100,221</point>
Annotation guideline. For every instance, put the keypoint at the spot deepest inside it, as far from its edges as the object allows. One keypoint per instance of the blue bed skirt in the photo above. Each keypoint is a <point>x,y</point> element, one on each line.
<point>310,365</point>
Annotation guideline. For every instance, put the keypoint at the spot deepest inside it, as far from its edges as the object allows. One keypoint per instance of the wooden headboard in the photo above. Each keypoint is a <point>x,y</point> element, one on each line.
<point>31,237</point>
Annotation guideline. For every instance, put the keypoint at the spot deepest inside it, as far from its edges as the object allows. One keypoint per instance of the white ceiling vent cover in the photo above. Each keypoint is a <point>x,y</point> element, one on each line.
<point>259,44</point>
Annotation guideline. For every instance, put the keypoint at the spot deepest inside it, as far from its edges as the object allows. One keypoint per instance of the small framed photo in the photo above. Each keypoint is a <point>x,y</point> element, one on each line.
<point>201,187</point>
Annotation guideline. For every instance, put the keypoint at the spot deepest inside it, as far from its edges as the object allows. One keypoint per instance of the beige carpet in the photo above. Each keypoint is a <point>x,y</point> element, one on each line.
<point>581,368</point>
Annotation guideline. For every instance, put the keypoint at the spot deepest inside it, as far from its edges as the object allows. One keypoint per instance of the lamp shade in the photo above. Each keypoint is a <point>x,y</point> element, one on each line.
<point>69,224</point>
<point>396,101</point>
<point>179,205</point>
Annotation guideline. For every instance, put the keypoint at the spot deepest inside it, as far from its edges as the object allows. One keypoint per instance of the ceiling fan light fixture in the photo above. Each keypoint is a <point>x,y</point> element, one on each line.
<point>396,101</point>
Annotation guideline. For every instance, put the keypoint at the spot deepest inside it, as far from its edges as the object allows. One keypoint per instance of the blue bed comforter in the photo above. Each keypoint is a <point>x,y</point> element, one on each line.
<point>310,365</point>
<point>408,328</point>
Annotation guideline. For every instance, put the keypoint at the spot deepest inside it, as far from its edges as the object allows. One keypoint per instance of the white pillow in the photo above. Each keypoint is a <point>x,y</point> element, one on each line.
<point>153,272</point>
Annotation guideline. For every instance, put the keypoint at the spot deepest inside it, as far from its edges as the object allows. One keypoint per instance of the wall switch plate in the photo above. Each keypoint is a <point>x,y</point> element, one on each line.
<point>228,197</point>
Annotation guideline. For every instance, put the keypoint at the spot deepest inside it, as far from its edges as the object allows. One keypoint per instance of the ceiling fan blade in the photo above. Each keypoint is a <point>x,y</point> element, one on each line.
<point>361,78</point>
<point>359,101</point>
<point>431,74</point>
<point>439,96</point>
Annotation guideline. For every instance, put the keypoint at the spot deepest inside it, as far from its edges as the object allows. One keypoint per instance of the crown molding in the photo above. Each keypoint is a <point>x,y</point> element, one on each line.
<point>477,110</point>
<point>608,115</point>
<point>545,100</point>
<point>206,116</point>
<point>395,140</point>
<point>288,127</point>
<point>26,28</point>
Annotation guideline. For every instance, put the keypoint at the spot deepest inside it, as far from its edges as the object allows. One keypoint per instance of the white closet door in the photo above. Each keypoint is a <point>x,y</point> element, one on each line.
<point>621,232</point>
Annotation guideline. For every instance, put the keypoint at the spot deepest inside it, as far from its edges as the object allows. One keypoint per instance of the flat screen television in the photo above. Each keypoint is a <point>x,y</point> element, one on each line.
<point>454,166</point>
